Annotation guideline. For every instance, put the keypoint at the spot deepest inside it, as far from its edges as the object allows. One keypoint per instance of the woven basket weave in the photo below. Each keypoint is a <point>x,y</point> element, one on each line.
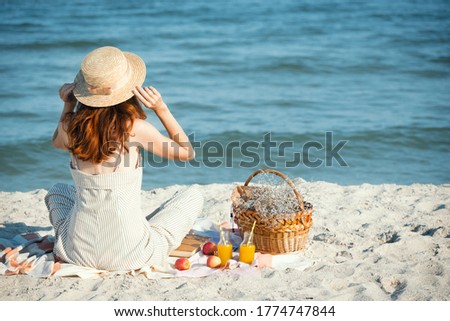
<point>272,235</point>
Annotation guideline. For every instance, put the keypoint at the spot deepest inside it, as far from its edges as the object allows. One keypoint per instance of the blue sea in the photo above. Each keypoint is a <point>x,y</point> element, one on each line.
<point>374,75</point>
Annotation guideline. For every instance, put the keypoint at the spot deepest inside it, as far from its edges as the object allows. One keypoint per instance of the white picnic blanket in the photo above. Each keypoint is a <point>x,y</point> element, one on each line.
<point>31,254</point>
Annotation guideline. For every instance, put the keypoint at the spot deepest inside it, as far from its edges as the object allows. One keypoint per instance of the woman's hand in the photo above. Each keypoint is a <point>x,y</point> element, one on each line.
<point>151,98</point>
<point>66,93</point>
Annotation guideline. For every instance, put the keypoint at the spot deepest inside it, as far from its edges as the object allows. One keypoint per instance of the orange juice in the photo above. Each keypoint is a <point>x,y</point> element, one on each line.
<point>225,252</point>
<point>247,253</point>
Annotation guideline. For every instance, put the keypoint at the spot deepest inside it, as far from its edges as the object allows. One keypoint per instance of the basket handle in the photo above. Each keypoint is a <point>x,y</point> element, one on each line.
<point>286,179</point>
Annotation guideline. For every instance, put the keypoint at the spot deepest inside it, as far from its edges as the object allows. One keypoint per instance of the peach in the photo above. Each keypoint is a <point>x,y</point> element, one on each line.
<point>182,264</point>
<point>213,261</point>
<point>209,248</point>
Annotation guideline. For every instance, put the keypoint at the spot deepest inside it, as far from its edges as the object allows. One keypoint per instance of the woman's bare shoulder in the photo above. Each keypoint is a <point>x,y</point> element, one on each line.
<point>140,126</point>
<point>143,133</point>
<point>138,123</point>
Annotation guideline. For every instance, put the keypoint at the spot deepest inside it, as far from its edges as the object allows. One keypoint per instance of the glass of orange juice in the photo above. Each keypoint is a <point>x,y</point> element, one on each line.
<point>224,248</point>
<point>247,249</point>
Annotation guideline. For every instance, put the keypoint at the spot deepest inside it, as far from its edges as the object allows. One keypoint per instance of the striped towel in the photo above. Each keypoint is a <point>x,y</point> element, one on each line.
<point>28,254</point>
<point>32,254</point>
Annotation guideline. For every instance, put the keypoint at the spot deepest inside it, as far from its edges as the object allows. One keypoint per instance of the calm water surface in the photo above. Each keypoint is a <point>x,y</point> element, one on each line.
<point>375,73</point>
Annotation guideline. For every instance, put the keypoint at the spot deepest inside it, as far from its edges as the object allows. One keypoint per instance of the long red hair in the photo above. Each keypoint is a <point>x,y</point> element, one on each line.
<point>97,133</point>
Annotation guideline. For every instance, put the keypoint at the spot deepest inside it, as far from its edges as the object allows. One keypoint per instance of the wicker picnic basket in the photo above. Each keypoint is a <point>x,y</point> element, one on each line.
<point>275,235</point>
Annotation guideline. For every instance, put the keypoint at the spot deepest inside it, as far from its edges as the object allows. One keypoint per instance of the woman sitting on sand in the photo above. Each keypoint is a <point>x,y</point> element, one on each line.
<point>99,222</point>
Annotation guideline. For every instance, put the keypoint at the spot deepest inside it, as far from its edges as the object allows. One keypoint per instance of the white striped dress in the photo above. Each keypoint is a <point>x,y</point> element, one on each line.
<point>99,222</point>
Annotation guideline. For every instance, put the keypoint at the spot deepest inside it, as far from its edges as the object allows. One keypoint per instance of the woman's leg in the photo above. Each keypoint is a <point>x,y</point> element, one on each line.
<point>60,201</point>
<point>175,218</point>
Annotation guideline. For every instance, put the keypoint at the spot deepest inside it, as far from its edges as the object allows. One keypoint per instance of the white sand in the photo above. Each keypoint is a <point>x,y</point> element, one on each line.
<point>368,242</point>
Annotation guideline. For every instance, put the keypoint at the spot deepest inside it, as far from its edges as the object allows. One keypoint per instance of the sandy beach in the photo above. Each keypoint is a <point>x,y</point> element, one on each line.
<point>368,242</point>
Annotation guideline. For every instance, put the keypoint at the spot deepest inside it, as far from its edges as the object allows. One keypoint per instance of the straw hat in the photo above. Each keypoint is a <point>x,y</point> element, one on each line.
<point>108,76</point>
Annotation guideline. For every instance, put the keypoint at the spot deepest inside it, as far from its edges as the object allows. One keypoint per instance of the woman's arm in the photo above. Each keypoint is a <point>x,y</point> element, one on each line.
<point>177,146</point>
<point>59,139</point>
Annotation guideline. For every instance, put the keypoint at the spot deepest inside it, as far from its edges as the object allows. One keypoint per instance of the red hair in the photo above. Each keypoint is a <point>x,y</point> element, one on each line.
<point>96,133</point>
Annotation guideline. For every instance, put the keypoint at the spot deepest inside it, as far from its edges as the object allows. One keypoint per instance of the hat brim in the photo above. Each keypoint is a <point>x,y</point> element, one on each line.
<point>137,77</point>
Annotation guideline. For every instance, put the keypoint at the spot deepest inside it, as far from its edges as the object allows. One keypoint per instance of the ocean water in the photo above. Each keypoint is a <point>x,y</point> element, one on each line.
<point>374,74</point>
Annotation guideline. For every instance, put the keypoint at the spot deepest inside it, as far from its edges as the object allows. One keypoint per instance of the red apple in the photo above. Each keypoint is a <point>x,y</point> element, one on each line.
<point>213,261</point>
<point>209,248</point>
<point>182,264</point>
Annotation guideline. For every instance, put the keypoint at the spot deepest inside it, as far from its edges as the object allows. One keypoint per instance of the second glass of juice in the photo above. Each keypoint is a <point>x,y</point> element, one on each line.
<point>225,248</point>
<point>247,249</point>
